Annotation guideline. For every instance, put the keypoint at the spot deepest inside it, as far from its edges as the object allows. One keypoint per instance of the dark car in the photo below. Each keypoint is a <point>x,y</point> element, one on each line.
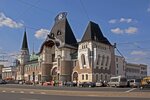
<point>71,84</point>
<point>87,84</point>
<point>3,82</point>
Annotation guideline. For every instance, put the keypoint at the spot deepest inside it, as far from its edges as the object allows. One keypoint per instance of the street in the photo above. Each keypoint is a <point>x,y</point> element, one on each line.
<point>106,89</point>
<point>21,96</point>
<point>29,92</point>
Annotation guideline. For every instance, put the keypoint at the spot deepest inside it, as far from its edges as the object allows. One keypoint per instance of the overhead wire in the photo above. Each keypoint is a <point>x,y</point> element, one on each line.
<point>84,9</point>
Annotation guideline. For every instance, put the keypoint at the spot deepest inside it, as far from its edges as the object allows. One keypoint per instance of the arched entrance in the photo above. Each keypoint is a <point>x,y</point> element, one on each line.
<point>75,77</point>
<point>54,74</point>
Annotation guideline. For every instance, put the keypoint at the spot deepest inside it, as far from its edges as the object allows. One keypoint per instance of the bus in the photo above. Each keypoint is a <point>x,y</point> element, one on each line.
<point>145,82</point>
<point>118,81</point>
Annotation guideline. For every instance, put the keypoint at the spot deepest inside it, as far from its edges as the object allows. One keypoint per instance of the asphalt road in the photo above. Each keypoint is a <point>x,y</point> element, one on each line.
<point>107,89</point>
<point>22,96</point>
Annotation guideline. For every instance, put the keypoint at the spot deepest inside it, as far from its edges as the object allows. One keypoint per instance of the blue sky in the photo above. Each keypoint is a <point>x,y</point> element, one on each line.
<point>125,22</point>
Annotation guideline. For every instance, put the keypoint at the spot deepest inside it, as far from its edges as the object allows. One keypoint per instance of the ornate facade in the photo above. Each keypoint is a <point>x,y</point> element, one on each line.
<point>62,58</point>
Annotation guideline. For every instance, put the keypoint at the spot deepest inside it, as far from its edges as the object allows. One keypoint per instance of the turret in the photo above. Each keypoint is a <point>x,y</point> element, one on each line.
<point>24,50</point>
<point>23,57</point>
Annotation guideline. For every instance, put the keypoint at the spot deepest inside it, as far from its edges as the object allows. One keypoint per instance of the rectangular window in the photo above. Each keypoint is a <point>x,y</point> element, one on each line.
<point>53,57</point>
<point>75,63</point>
<point>117,65</point>
<point>82,77</point>
<point>116,59</point>
<point>86,76</point>
<point>91,53</point>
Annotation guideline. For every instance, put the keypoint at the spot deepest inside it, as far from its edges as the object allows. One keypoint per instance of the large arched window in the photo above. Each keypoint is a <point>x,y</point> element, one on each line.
<point>83,59</point>
<point>101,77</point>
<point>106,77</point>
<point>97,78</point>
<point>54,71</point>
<point>98,60</point>
<point>107,61</point>
<point>75,76</point>
<point>82,77</point>
<point>103,57</point>
<point>86,76</point>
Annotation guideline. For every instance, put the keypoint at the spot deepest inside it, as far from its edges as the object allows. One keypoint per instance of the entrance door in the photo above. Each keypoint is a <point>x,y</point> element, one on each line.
<point>75,76</point>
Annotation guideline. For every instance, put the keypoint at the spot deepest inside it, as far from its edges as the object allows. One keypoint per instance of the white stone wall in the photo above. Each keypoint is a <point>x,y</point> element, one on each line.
<point>85,80</point>
<point>103,58</point>
<point>66,54</point>
<point>133,71</point>
<point>84,49</point>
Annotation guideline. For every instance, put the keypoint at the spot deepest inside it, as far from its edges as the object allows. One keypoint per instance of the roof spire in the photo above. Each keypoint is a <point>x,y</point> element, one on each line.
<point>33,49</point>
<point>25,42</point>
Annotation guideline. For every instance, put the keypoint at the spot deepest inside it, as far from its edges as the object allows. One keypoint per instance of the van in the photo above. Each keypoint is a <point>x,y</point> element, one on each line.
<point>135,82</point>
<point>118,81</point>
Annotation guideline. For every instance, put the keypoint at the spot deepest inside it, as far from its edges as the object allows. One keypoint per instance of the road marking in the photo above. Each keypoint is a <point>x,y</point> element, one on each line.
<point>32,92</point>
<point>92,95</point>
<point>12,91</point>
<point>130,90</point>
<point>28,99</point>
<point>43,93</point>
<point>21,91</point>
<point>3,91</point>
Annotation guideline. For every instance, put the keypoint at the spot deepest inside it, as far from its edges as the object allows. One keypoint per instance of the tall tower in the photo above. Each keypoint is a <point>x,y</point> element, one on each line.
<point>95,55</point>
<point>57,49</point>
<point>24,55</point>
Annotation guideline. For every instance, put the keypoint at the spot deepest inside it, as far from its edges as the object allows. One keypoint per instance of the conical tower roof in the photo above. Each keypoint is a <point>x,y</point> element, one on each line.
<point>24,42</point>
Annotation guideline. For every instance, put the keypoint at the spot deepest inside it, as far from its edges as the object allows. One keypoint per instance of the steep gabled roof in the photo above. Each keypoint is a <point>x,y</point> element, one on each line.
<point>24,42</point>
<point>94,33</point>
<point>62,31</point>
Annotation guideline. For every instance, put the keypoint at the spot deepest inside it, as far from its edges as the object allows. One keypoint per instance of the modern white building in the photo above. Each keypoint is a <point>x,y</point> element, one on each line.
<point>136,71</point>
<point>129,70</point>
<point>9,72</point>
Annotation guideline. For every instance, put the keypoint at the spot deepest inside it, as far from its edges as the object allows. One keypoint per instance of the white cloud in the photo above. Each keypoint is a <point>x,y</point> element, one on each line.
<point>122,20</point>
<point>131,30</point>
<point>127,20</point>
<point>117,31</point>
<point>138,53</point>
<point>78,40</point>
<point>41,34</point>
<point>113,21</point>
<point>8,22</point>
<point>148,10</point>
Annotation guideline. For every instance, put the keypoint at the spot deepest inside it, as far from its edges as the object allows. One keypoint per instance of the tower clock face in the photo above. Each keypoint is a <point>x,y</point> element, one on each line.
<point>60,16</point>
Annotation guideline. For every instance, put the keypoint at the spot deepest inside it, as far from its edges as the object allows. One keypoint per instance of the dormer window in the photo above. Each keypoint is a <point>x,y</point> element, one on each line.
<point>52,34</point>
<point>58,32</point>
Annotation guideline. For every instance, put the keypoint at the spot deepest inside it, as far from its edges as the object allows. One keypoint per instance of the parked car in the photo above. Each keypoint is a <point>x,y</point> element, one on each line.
<point>87,84</point>
<point>98,84</point>
<point>28,82</point>
<point>101,84</point>
<point>3,82</point>
<point>135,82</point>
<point>71,84</point>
